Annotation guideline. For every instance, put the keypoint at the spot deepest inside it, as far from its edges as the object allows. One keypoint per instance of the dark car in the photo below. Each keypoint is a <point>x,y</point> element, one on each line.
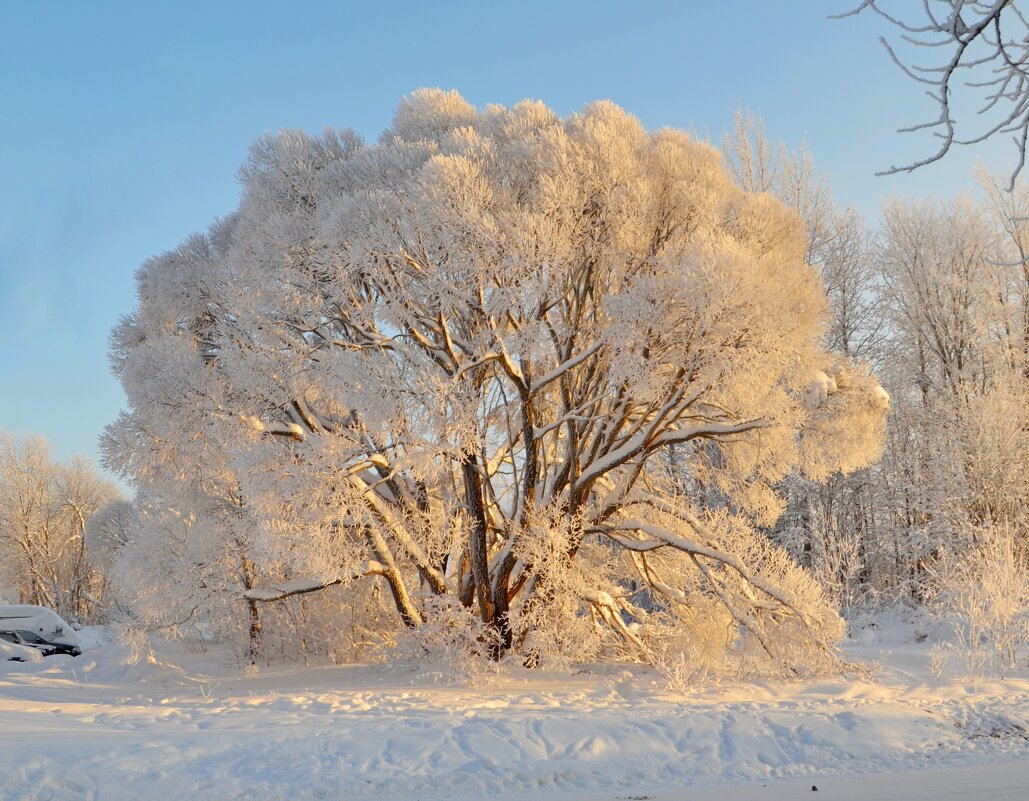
<point>12,637</point>
<point>33,640</point>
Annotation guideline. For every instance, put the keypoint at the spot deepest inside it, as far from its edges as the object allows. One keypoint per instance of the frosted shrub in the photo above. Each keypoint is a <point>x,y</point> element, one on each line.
<point>986,588</point>
<point>693,615</point>
<point>804,642</point>
<point>698,646</point>
<point>574,613</point>
<point>138,641</point>
<point>836,564</point>
<point>342,626</point>
<point>452,647</point>
<point>938,656</point>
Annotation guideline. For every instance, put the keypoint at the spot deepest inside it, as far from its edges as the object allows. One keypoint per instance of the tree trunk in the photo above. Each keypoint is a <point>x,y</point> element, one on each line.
<point>477,533</point>
<point>478,554</point>
<point>253,644</point>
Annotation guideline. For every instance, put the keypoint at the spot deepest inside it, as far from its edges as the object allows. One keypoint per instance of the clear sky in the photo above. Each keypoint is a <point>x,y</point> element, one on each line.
<point>122,125</point>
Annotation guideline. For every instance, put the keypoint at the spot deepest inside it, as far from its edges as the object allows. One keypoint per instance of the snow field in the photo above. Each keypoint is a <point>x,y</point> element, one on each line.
<point>95,728</point>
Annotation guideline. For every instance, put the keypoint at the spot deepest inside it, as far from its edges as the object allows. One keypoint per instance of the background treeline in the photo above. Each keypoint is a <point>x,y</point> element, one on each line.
<point>936,298</point>
<point>45,507</point>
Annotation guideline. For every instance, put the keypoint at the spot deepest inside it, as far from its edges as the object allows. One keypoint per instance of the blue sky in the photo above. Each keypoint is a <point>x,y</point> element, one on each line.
<point>122,125</point>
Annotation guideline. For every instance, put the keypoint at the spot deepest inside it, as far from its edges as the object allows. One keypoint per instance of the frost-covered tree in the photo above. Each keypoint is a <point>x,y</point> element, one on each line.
<point>456,362</point>
<point>45,507</point>
<point>955,285</point>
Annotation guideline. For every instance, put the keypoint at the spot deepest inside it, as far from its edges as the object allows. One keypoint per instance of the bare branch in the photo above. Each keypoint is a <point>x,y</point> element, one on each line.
<point>971,33</point>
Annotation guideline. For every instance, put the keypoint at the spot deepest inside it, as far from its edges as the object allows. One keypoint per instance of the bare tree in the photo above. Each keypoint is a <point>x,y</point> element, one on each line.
<point>985,41</point>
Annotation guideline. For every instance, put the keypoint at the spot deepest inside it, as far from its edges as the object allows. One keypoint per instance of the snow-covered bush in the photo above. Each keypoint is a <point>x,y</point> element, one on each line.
<point>453,645</point>
<point>939,654</point>
<point>985,587</point>
<point>697,645</point>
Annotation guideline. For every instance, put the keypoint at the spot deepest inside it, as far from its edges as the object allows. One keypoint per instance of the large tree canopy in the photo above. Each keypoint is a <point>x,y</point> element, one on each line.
<point>548,370</point>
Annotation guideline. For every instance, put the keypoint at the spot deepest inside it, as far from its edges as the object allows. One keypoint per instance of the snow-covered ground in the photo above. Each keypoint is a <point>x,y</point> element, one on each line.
<point>97,728</point>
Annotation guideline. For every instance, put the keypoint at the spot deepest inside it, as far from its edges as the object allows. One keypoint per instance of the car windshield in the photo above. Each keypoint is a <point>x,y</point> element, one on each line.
<point>9,636</point>
<point>28,636</point>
